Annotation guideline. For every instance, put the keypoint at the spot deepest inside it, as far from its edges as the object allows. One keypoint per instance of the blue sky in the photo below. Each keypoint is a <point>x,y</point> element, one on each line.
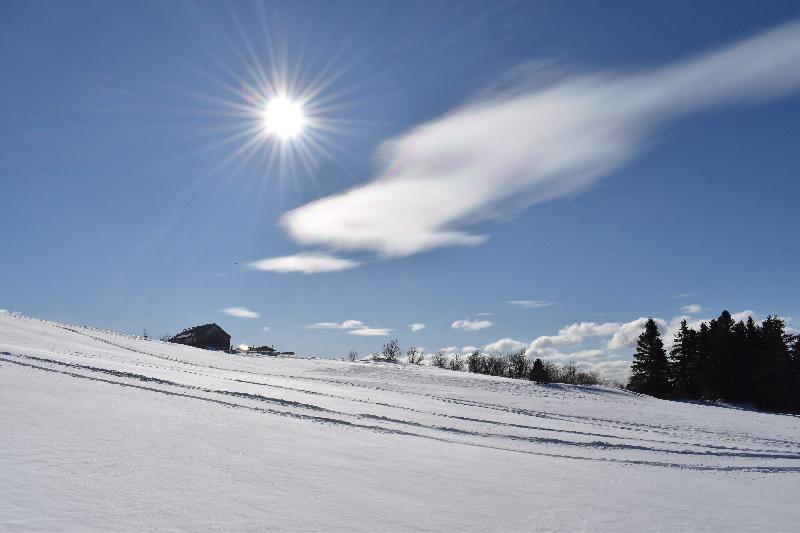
<point>600,158</point>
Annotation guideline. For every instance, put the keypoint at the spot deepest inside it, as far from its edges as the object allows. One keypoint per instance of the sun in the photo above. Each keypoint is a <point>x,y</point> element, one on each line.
<point>283,118</point>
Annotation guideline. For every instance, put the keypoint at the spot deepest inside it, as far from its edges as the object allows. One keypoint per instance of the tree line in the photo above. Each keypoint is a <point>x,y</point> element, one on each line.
<point>514,365</point>
<point>739,362</point>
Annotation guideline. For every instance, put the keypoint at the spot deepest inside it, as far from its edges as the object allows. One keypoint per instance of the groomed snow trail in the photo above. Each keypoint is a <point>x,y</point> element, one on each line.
<point>106,431</point>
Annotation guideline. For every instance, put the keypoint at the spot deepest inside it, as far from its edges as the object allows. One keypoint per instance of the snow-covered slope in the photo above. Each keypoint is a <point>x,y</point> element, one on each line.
<point>102,431</point>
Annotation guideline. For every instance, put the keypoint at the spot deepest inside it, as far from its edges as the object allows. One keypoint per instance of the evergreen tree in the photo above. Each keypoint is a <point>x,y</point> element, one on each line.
<point>775,379</point>
<point>720,377</point>
<point>751,362</point>
<point>650,369</point>
<point>538,372</point>
<point>703,366</point>
<point>683,363</point>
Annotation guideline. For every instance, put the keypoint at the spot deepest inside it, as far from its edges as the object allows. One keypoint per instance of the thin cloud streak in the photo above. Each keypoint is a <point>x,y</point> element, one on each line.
<point>347,324</point>
<point>304,263</point>
<point>529,144</point>
<point>371,332</point>
<point>472,325</point>
<point>530,304</point>
<point>240,312</point>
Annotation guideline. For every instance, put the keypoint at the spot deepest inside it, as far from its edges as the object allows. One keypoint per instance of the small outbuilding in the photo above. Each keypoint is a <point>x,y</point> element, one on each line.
<point>207,336</point>
<point>263,350</point>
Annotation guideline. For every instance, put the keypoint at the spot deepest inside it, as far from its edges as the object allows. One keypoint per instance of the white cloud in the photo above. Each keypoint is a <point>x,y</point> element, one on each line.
<point>685,295</point>
<point>531,143</point>
<point>370,332</point>
<point>577,355</point>
<point>615,370</point>
<point>622,336</point>
<point>240,312</point>
<point>505,345</point>
<point>416,326</point>
<point>531,304</point>
<point>468,349</point>
<point>266,328</point>
<point>574,334</point>
<point>347,324</point>
<point>484,314</point>
<point>471,325</point>
<point>4,312</point>
<point>353,327</point>
<point>450,350</point>
<point>692,309</point>
<point>305,263</point>
<point>629,332</point>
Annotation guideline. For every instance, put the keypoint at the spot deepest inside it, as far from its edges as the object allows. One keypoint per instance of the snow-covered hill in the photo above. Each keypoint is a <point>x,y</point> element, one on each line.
<point>102,431</point>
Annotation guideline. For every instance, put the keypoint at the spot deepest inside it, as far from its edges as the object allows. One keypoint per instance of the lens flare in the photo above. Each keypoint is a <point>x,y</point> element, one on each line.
<point>284,118</point>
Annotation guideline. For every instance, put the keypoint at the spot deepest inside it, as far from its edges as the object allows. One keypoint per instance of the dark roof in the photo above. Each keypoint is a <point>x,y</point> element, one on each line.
<point>262,349</point>
<point>197,330</point>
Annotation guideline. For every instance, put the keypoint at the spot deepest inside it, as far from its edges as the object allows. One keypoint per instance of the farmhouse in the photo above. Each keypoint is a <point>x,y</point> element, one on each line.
<point>207,336</point>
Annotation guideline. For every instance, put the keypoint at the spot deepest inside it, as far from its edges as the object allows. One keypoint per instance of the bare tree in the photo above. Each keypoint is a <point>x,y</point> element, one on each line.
<point>352,356</point>
<point>518,365</point>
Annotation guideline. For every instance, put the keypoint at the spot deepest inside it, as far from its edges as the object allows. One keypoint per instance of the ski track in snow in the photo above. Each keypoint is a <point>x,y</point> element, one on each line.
<point>568,425</point>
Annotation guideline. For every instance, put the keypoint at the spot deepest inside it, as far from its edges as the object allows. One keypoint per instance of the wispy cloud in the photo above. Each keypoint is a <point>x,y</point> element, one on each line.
<point>471,325</point>
<point>266,328</point>
<point>353,327</point>
<point>531,304</point>
<point>416,326</point>
<point>304,263</point>
<point>484,314</point>
<point>371,332</point>
<point>685,294</point>
<point>531,143</point>
<point>4,312</point>
<point>240,312</point>
<point>347,324</point>
<point>692,309</point>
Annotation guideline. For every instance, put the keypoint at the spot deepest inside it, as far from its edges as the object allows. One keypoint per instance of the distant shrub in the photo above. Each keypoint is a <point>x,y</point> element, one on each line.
<point>517,365</point>
<point>391,351</point>
<point>568,374</point>
<point>588,378</point>
<point>456,363</point>
<point>415,357</point>
<point>551,371</point>
<point>494,365</point>
<point>439,359</point>
<point>352,356</point>
<point>474,362</point>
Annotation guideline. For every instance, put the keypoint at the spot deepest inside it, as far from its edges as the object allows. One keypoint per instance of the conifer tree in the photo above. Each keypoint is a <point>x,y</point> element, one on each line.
<point>650,370</point>
<point>775,380</point>
<point>683,363</point>
<point>538,372</point>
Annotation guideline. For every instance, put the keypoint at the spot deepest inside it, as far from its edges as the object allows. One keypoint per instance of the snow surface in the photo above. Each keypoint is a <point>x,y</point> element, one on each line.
<point>103,431</point>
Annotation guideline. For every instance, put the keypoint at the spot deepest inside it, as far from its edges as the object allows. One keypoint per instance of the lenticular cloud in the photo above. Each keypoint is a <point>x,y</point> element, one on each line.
<point>532,144</point>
